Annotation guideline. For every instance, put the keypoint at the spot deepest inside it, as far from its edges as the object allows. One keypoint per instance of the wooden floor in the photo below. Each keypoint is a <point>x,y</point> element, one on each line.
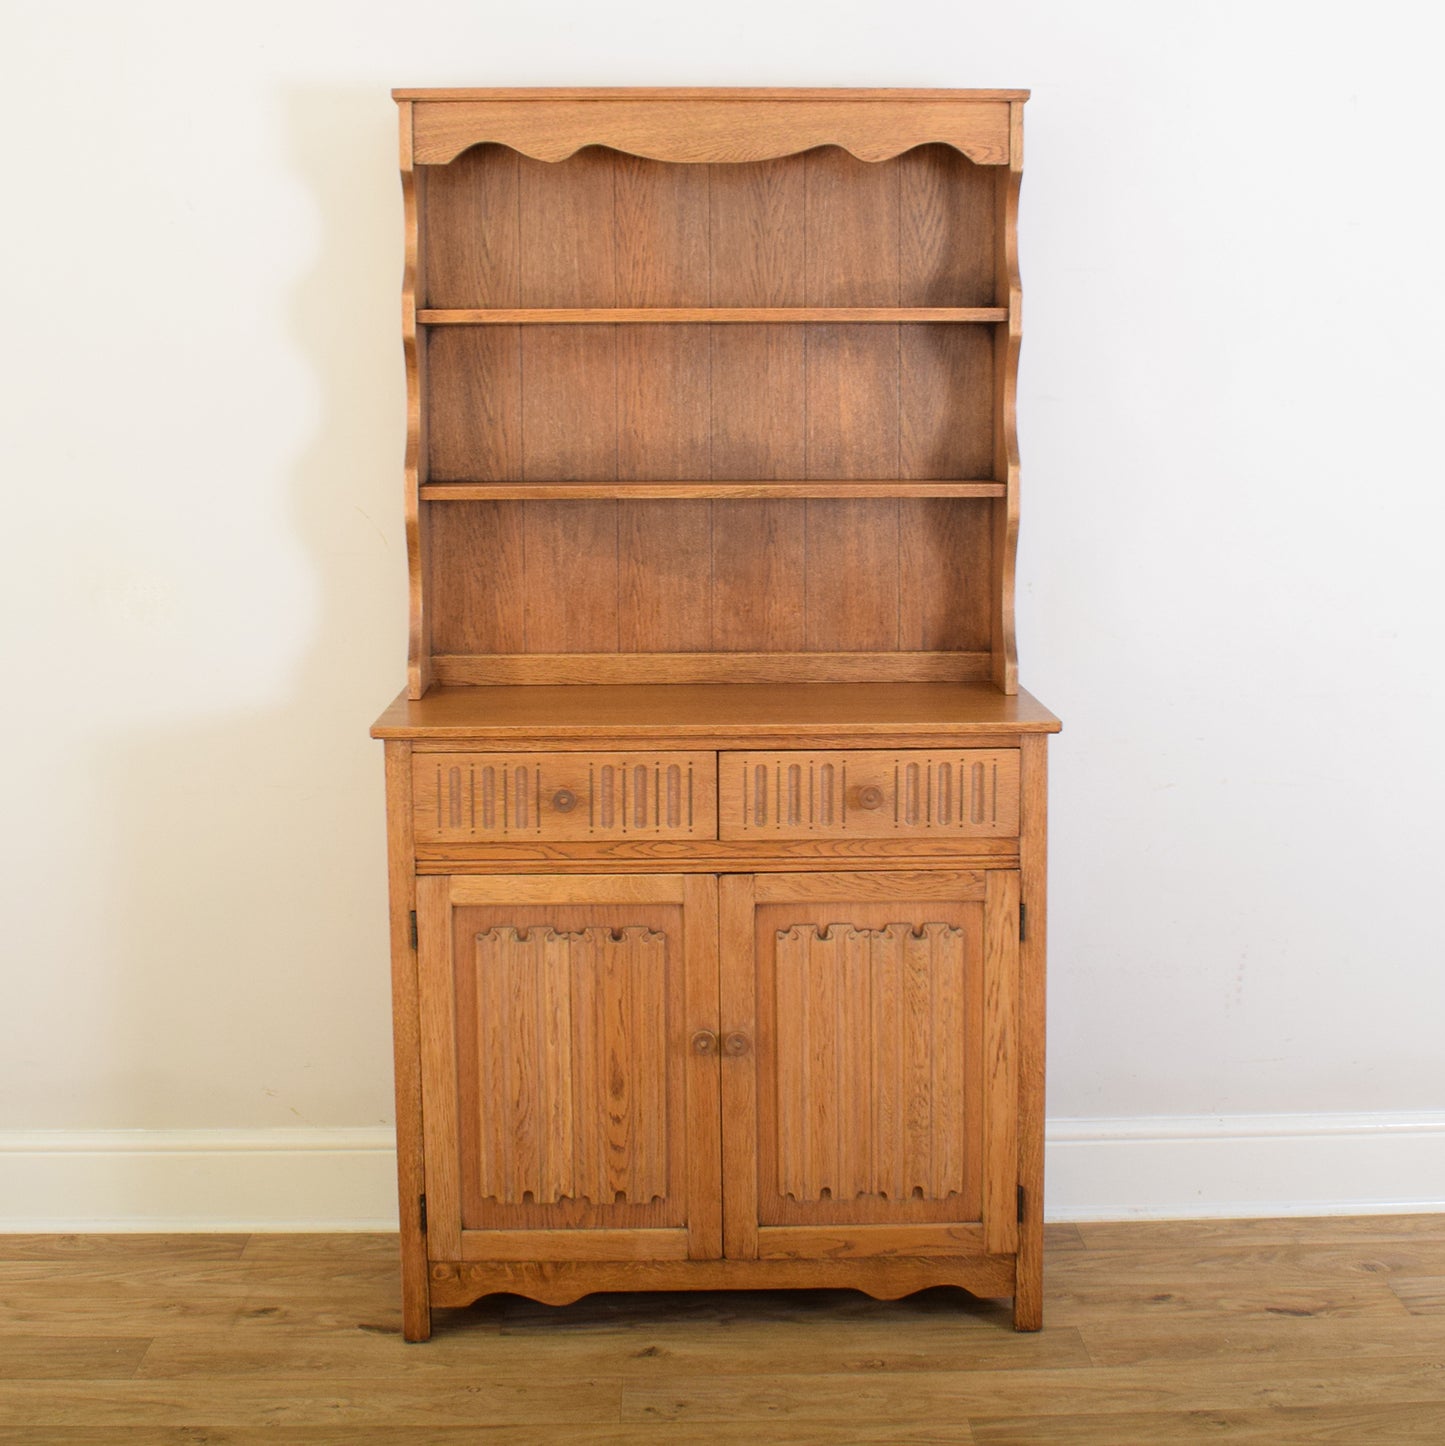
<point>1277,1331</point>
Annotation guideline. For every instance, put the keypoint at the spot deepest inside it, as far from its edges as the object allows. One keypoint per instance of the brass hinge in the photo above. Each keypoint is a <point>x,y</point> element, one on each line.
<point>421,1212</point>
<point>413,928</point>
<point>1021,1205</point>
<point>1023,923</point>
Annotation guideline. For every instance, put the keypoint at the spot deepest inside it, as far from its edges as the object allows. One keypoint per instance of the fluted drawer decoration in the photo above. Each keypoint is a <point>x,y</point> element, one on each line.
<point>972,792</point>
<point>477,797</point>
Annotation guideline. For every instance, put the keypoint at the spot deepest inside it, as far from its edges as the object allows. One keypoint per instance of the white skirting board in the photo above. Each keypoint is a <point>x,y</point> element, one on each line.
<point>1186,1167</point>
<point>1175,1167</point>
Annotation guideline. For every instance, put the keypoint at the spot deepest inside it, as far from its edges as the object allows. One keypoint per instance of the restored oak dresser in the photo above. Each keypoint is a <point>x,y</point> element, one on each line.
<point>716,817</point>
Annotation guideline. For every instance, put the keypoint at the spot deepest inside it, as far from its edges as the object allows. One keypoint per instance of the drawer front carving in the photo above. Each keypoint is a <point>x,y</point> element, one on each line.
<point>968,793</point>
<point>482,797</point>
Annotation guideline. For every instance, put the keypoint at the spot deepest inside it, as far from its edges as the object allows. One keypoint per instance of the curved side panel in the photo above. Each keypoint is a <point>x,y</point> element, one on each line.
<point>1007,338</point>
<point>716,131</point>
<point>418,669</point>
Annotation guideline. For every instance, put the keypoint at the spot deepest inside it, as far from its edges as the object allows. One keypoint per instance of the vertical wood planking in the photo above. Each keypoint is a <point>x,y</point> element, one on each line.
<point>478,585</point>
<point>590,1166</point>
<point>513,1032</point>
<point>474,251</point>
<point>569,374</point>
<point>663,403</point>
<point>474,403</point>
<point>856,1063</point>
<point>946,235</point>
<point>756,256</point>
<point>945,412</point>
<point>665,576</point>
<point>851,230</point>
<point>890,1113</point>
<point>818,1049</point>
<point>852,401</point>
<point>661,226</point>
<point>787,1014</point>
<point>620,1060</point>
<point>571,569</point>
<point>489,1147</point>
<point>758,403</point>
<point>566,230</point>
<point>943,573</point>
<point>950,959</point>
<point>759,576</point>
<point>916,1007</point>
<point>557,1117</point>
<point>852,575</point>
<point>757,259</point>
<point>646,1173</point>
<point>569,403</point>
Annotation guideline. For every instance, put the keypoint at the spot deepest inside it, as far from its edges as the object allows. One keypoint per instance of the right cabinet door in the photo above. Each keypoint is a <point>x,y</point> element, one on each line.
<point>870,1063</point>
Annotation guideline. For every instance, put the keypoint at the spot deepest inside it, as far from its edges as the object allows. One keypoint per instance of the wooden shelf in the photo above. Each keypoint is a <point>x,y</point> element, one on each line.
<point>585,491</point>
<point>707,315</point>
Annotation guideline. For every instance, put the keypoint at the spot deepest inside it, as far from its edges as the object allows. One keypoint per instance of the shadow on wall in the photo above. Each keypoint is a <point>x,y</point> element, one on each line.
<point>251,857</point>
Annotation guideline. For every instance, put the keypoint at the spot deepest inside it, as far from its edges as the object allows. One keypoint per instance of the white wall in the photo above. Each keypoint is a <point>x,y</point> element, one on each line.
<point>1229,573</point>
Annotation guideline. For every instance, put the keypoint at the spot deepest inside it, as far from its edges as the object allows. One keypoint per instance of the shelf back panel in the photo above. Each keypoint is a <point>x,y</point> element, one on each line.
<point>737,402</point>
<point>668,577</point>
<point>606,229</point>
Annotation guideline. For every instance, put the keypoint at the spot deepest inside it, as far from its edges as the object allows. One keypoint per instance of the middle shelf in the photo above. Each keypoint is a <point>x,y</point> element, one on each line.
<point>710,315</point>
<point>509,491</point>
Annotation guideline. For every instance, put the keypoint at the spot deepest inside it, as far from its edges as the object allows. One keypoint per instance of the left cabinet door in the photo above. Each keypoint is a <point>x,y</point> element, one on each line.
<point>570,1066</point>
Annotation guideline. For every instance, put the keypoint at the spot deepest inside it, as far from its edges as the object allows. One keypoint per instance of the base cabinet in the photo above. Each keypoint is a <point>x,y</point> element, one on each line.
<point>646,1079</point>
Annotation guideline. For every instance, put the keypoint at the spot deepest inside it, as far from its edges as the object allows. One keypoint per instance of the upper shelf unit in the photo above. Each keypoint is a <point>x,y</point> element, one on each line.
<point>736,368</point>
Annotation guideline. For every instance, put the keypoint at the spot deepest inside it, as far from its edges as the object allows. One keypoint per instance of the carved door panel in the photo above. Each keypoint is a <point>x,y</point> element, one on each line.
<point>870,1073</point>
<point>570,1075</point>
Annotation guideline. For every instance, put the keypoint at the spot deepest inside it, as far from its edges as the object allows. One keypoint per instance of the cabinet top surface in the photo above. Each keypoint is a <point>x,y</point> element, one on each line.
<point>668,93</point>
<point>775,711</point>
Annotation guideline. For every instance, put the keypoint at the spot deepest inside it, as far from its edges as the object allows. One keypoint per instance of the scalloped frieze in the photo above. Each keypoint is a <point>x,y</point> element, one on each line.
<point>712,131</point>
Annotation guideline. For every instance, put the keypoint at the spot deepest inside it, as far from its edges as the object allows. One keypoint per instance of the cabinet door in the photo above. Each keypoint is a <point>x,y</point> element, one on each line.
<point>570,1067</point>
<point>870,1063</point>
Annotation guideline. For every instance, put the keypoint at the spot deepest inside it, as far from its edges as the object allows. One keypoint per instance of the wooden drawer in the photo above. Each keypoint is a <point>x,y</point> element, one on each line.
<point>968,793</point>
<point>477,797</point>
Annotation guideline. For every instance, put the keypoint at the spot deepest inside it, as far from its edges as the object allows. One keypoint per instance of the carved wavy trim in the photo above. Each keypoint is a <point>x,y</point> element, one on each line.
<point>712,131</point>
<point>1007,340</point>
<point>419,666</point>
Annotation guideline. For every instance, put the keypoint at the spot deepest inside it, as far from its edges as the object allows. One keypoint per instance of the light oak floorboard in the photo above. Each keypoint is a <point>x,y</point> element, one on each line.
<point>780,1433</point>
<point>70,1358</point>
<point>1372,1425</point>
<point>1240,1331</point>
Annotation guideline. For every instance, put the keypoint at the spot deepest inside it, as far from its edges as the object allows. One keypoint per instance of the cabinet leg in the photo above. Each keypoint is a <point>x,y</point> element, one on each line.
<point>1029,1275</point>
<point>415,1317</point>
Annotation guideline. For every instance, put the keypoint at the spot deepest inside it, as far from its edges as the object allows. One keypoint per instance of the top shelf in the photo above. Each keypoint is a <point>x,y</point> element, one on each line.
<point>604,315</point>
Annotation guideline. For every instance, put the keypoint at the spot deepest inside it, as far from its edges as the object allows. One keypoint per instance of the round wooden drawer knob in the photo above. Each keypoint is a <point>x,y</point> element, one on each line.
<point>564,800</point>
<point>704,1042</point>
<point>870,797</point>
<point>735,1044</point>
